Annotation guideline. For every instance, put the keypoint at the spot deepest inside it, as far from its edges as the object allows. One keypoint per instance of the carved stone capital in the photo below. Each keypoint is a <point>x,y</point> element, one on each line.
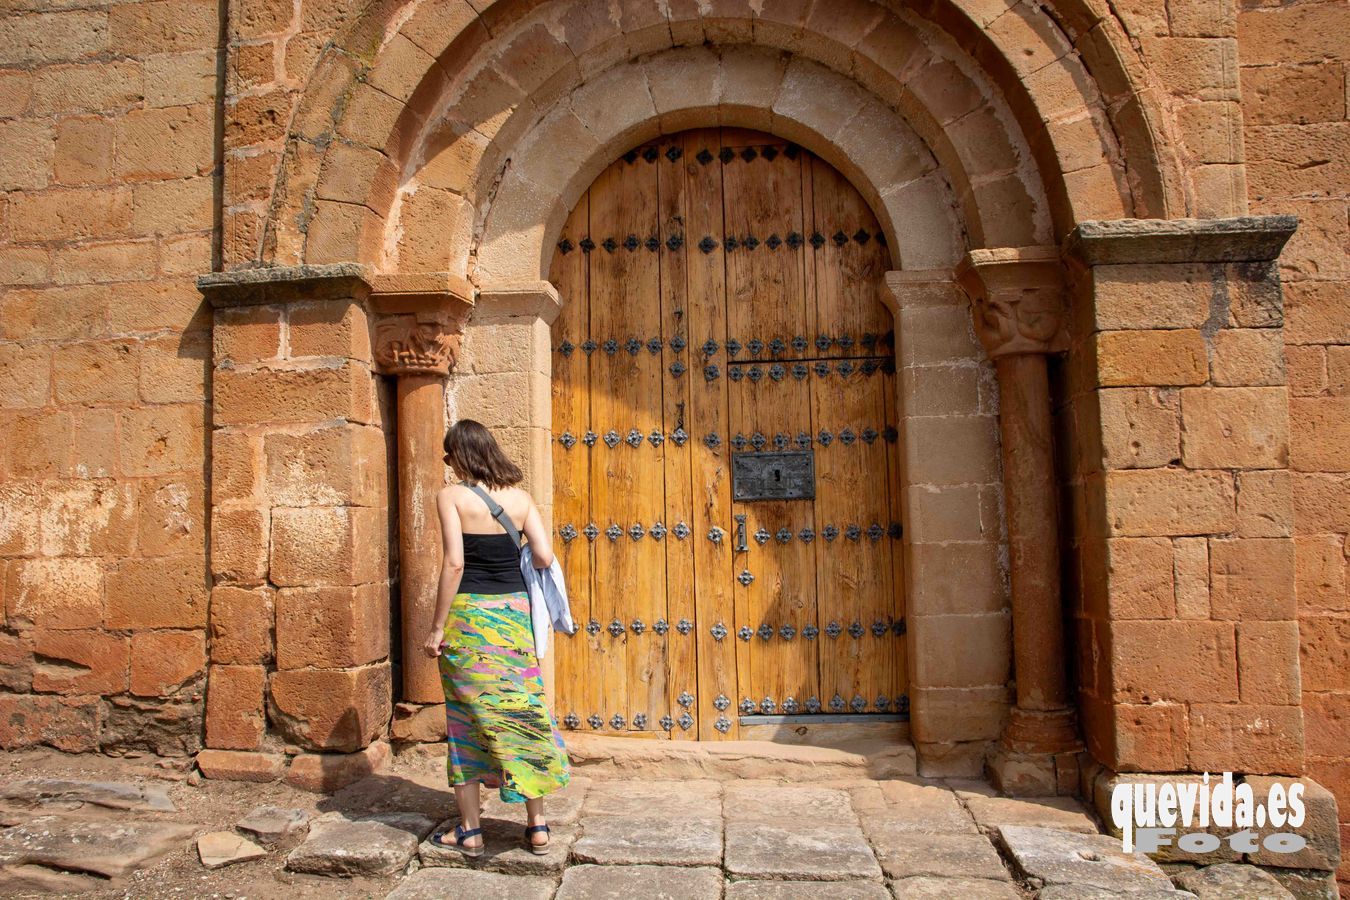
<point>1016,298</point>
<point>419,322</point>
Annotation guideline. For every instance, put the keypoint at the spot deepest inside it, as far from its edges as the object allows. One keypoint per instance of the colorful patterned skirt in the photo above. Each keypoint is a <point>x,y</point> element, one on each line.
<point>499,728</point>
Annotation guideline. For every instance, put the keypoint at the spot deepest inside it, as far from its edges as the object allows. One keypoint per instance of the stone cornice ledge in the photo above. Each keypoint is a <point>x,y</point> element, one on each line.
<point>284,284</point>
<point>1126,241</point>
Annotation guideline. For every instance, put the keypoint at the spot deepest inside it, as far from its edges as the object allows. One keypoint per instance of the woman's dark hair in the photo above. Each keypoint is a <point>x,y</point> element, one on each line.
<point>475,455</point>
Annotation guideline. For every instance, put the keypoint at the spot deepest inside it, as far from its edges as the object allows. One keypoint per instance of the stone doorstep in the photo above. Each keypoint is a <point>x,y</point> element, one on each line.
<point>504,850</point>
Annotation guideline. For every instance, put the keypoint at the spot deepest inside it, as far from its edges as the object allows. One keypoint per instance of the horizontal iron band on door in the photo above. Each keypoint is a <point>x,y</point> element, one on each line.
<point>636,532</point>
<point>776,346</point>
<point>634,438</point>
<point>824,719</point>
<point>748,242</point>
<point>787,631</point>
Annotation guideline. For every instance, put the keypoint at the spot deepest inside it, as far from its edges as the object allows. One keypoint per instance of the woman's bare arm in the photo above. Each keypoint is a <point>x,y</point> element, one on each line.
<point>540,545</point>
<point>452,569</point>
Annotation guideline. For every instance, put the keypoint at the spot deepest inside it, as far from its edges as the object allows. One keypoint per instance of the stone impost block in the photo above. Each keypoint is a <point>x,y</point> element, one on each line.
<point>282,284</point>
<point>332,709</point>
<point>1144,241</point>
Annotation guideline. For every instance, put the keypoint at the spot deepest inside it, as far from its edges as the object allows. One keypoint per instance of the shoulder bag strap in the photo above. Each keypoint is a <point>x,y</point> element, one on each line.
<point>497,512</point>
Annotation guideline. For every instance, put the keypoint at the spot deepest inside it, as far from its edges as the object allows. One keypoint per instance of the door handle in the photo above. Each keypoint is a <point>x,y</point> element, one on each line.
<point>741,545</point>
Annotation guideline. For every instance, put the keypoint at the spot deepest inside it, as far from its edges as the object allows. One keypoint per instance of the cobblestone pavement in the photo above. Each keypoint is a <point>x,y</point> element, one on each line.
<point>624,839</point>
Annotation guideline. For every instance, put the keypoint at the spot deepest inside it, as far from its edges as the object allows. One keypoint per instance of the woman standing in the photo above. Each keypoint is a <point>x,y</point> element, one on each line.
<point>500,731</point>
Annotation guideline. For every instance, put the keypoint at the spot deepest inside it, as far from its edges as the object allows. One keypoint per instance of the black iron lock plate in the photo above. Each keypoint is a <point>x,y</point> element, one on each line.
<point>779,475</point>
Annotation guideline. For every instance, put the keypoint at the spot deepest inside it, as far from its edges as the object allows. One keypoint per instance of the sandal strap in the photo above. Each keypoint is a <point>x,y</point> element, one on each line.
<point>531,829</point>
<point>461,833</point>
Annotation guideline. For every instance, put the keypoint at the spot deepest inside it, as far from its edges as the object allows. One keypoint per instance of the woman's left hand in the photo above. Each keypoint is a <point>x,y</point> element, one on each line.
<point>432,646</point>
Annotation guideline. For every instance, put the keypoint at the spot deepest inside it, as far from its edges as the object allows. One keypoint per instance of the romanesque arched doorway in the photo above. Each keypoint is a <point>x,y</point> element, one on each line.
<point>726,460</point>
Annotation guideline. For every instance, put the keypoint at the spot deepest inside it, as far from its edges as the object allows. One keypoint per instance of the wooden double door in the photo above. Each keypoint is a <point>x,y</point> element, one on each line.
<point>725,455</point>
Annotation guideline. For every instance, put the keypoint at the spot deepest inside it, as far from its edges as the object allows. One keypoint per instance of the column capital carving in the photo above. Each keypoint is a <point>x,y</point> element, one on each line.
<point>1016,298</point>
<point>419,321</point>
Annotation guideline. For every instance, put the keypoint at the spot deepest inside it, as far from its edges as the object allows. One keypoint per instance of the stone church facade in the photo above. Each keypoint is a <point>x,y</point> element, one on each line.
<point>252,266</point>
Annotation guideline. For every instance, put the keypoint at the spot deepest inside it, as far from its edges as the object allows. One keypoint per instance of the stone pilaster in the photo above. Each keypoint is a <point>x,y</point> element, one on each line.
<point>1017,303</point>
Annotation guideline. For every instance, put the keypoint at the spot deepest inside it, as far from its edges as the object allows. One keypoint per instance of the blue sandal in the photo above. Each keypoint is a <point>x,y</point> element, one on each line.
<point>536,849</point>
<point>461,835</point>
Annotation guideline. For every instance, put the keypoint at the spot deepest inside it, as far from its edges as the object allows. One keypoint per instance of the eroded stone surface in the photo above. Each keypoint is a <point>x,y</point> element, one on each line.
<point>439,883</point>
<point>625,840</point>
<point>928,887</point>
<point>1232,880</point>
<point>890,807</point>
<point>107,849</point>
<point>673,799</point>
<point>1048,856</point>
<point>803,850</point>
<point>806,890</point>
<point>943,855</point>
<point>1062,813</point>
<point>64,794</point>
<point>504,850</point>
<point>748,800</point>
<point>381,844</point>
<point>1088,892</point>
<point>41,880</point>
<point>273,824</point>
<point>648,882</point>
<point>222,848</point>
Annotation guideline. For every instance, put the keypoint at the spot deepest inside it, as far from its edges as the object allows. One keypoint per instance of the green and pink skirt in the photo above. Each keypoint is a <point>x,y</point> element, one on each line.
<point>498,726</point>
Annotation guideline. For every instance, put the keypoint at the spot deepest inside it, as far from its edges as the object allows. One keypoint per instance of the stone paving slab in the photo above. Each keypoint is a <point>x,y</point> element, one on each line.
<point>1063,813</point>
<point>626,840</point>
<point>560,807</point>
<point>695,799</point>
<point>69,794</point>
<point>110,849</point>
<point>270,825</point>
<point>745,801</point>
<point>928,887</point>
<point>1231,880</point>
<point>224,848</point>
<point>1047,856</point>
<point>799,850</point>
<point>890,824</point>
<point>381,844</point>
<point>941,855</point>
<point>1088,892</point>
<point>504,850</point>
<point>806,890</point>
<point>439,884</point>
<point>640,883</point>
<point>905,805</point>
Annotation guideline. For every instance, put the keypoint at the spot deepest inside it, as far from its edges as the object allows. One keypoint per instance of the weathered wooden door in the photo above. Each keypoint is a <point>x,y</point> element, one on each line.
<point>725,458</point>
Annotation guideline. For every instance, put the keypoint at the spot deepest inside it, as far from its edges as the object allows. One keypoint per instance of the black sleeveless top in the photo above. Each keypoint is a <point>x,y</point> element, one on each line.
<point>491,565</point>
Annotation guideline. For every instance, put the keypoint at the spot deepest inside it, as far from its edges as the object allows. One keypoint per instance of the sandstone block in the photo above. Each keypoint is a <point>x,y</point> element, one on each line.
<point>339,545</point>
<point>173,369</point>
<point>28,163</point>
<point>1321,502</point>
<point>328,329</point>
<point>942,856</point>
<point>160,440</point>
<point>328,772</point>
<point>241,625</point>
<point>1140,427</point>
<point>54,593</point>
<point>1240,737</point>
<point>236,466</point>
<point>145,28</point>
<point>162,661</point>
<point>80,662</point>
<point>40,444</point>
<point>380,844</point>
<point>239,544</point>
<point>1150,737</point>
<point>16,657</point>
<point>1248,356</point>
<point>332,627</point>
<point>73,214</point>
<point>1163,358</point>
<point>338,390</point>
<point>1063,814</point>
<point>158,592</point>
<point>1268,662</point>
<point>418,724</point>
<point>1140,578</point>
<point>108,849</point>
<point>1316,313</point>
<point>332,709</point>
<point>989,640</point>
<point>155,306</point>
<point>84,151</point>
<point>174,142</point>
<point>217,849</point>
<point>611,840</point>
<point>25,376</point>
<point>329,466</point>
<point>1224,428</point>
<point>236,765</point>
<point>435,883</point>
<point>958,714</point>
<point>693,883</point>
<point>170,515</point>
<point>1140,297</point>
<point>1320,432</point>
<point>1320,827</point>
<point>1173,660</point>
<point>1051,857</point>
<point>1170,502</point>
<point>1232,880</point>
<point>792,850</point>
<point>1264,504</point>
<point>113,261</point>
<point>1320,572</point>
<point>271,825</point>
<point>247,334</point>
<point>26,312</point>
<point>234,707</point>
<point>180,79</point>
<point>1250,579</point>
<point>1324,654</point>
<point>1327,725</point>
<point>1306,368</point>
<point>956,578</point>
<point>952,449</point>
<point>87,518</point>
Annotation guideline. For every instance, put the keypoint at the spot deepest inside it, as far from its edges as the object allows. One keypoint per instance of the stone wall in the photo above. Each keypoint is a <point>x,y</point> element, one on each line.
<point>1293,72</point>
<point>108,116</point>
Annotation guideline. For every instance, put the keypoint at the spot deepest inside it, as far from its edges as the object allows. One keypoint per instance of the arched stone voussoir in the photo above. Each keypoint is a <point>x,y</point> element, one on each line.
<point>820,109</point>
